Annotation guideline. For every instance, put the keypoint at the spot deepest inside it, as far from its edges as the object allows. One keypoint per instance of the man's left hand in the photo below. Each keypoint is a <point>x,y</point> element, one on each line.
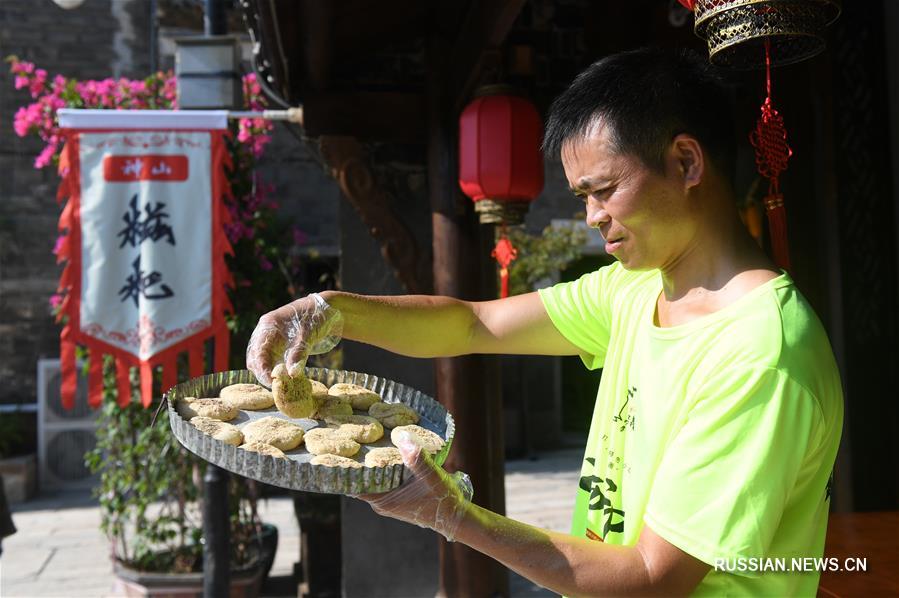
<point>432,498</point>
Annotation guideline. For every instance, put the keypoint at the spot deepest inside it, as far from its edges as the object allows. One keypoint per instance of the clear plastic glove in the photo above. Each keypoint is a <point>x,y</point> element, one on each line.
<point>432,498</point>
<point>290,334</point>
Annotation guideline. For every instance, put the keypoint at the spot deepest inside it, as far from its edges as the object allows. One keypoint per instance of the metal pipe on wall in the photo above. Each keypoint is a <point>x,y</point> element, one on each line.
<point>214,18</point>
<point>154,37</point>
<point>216,529</point>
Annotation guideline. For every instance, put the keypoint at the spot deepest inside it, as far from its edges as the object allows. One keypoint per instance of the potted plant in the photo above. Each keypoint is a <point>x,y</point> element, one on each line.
<point>542,256</point>
<point>151,508</point>
<point>150,487</point>
<point>18,465</point>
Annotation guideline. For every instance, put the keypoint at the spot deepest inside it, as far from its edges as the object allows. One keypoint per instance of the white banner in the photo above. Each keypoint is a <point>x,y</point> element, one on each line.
<point>146,215</point>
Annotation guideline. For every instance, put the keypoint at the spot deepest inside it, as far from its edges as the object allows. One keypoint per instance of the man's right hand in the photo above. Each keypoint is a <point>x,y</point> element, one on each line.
<point>291,333</point>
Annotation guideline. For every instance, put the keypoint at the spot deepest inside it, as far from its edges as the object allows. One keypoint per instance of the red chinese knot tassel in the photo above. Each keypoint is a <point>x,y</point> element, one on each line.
<point>504,253</point>
<point>771,155</point>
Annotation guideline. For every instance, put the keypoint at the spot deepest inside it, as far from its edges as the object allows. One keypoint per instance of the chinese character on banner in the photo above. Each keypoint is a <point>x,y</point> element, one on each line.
<point>145,276</point>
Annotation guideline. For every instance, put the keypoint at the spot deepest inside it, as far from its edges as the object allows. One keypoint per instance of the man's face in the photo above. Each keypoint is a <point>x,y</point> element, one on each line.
<point>642,215</point>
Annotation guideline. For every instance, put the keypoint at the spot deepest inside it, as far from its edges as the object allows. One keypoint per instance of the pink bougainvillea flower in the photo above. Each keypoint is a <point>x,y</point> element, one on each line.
<point>243,132</point>
<point>46,156</point>
<point>38,83</point>
<point>56,102</point>
<point>20,122</point>
<point>57,247</point>
<point>20,67</point>
<point>59,83</point>
<point>299,237</point>
<point>259,143</point>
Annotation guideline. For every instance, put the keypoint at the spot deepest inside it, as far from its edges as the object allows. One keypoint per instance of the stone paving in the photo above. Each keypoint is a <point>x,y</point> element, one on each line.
<point>60,552</point>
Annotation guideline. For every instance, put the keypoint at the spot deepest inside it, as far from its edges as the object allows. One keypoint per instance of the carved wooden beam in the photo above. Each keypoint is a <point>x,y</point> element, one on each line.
<point>362,25</point>
<point>476,48</point>
<point>348,162</point>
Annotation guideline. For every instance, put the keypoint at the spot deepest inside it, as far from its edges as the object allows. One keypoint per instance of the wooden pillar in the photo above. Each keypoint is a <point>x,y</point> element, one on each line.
<point>216,527</point>
<point>467,386</point>
<point>321,553</point>
<point>217,544</point>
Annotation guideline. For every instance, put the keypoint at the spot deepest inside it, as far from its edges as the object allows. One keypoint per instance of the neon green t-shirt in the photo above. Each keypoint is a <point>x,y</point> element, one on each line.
<point>720,434</point>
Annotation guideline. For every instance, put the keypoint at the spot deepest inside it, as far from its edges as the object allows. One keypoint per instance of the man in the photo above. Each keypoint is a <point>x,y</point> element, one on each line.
<point>719,413</point>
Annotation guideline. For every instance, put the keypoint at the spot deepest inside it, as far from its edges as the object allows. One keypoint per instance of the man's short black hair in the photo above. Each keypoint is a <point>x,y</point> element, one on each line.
<point>647,96</point>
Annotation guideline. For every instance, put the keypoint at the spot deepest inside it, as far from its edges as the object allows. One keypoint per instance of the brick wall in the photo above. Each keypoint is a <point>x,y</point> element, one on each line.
<point>92,41</point>
<point>101,38</point>
<point>308,196</point>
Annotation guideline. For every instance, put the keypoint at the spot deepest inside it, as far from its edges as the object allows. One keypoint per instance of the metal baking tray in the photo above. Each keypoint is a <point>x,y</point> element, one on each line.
<point>296,472</point>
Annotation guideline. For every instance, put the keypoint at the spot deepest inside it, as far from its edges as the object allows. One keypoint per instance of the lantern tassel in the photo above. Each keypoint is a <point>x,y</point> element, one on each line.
<point>777,225</point>
<point>504,253</point>
<point>771,156</point>
<point>504,282</point>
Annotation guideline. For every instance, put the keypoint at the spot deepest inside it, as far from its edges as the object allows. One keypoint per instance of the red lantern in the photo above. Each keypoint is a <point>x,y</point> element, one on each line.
<point>500,164</point>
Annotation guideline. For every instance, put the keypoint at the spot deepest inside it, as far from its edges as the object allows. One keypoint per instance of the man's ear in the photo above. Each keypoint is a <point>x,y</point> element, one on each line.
<point>688,159</point>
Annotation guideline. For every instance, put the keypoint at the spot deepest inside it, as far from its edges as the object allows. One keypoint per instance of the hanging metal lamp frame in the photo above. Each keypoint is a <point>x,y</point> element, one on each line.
<point>736,30</point>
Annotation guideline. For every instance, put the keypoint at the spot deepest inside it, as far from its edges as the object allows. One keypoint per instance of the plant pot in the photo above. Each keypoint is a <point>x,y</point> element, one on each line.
<point>268,548</point>
<point>19,477</point>
<point>131,583</point>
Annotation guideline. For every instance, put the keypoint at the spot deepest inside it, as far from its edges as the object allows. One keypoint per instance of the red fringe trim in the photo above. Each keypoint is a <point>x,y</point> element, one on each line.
<point>67,369</point>
<point>95,379</point>
<point>169,374</point>
<point>63,308</point>
<point>222,349</point>
<point>195,359</point>
<point>146,383</point>
<point>65,170</point>
<point>123,381</point>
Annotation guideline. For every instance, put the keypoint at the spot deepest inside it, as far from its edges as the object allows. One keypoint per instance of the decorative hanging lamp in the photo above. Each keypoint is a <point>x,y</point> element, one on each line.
<point>738,31</point>
<point>747,34</point>
<point>500,163</point>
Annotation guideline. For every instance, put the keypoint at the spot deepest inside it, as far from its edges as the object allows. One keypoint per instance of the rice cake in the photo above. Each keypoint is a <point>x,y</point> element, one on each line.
<point>331,407</point>
<point>248,396</point>
<point>383,457</point>
<point>190,407</point>
<point>393,415</point>
<point>426,439</point>
<point>358,396</point>
<point>321,441</point>
<point>319,390</point>
<point>275,431</point>
<point>227,433</point>
<point>264,449</point>
<point>361,428</point>
<point>293,394</point>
